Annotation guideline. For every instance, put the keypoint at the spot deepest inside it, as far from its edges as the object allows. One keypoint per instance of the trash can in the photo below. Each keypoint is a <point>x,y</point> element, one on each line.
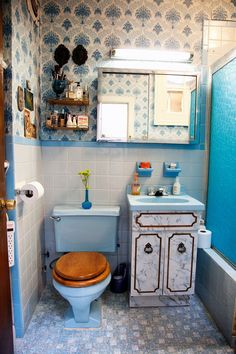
<point>119,279</point>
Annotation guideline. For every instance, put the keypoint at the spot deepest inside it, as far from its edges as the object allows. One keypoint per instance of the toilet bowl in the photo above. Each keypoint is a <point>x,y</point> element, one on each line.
<point>81,277</point>
<point>82,274</point>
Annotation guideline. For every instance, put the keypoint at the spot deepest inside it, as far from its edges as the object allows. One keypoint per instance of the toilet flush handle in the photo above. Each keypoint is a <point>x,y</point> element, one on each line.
<point>55,218</point>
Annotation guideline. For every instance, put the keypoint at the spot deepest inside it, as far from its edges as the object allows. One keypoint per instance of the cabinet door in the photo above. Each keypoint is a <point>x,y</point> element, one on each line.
<point>147,264</point>
<point>180,263</point>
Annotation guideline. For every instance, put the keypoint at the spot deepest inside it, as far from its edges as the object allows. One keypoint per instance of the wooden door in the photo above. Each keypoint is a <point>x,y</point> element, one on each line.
<point>6,334</point>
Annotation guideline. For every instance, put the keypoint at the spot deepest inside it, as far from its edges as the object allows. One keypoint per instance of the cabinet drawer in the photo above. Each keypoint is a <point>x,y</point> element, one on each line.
<point>180,263</point>
<point>147,264</point>
<point>165,220</point>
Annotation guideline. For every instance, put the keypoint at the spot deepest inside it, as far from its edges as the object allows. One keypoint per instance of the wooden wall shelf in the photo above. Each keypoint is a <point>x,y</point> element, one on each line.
<point>67,101</point>
<point>67,128</point>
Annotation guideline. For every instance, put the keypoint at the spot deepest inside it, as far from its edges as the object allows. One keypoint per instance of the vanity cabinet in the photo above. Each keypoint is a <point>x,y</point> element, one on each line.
<point>163,257</point>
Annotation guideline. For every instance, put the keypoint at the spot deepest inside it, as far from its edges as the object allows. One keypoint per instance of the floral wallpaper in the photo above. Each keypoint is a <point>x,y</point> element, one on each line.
<point>100,25</point>
<point>21,43</point>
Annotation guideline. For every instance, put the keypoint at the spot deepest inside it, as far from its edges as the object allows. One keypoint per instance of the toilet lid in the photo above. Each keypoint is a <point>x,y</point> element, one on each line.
<point>81,265</point>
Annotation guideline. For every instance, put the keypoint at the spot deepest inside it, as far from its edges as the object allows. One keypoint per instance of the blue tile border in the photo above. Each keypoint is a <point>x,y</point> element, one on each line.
<point>120,145</point>
<point>24,141</point>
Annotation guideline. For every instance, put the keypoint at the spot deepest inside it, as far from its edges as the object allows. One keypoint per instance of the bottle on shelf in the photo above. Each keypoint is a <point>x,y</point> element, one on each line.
<point>78,92</point>
<point>74,123</point>
<point>54,118</point>
<point>135,186</point>
<point>69,122</point>
<point>176,186</point>
<point>70,93</point>
<point>49,122</point>
<point>85,95</point>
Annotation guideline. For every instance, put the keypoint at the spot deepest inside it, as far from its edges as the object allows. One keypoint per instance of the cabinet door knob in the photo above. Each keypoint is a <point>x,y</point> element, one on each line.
<point>148,248</point>
<point>181,248</point>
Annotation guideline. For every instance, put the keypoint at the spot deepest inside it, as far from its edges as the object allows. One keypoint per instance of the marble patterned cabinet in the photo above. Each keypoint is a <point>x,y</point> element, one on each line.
<point>163,257</point>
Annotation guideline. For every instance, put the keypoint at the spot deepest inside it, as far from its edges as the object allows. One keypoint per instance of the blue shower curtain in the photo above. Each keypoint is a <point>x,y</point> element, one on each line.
<point>221,199</point>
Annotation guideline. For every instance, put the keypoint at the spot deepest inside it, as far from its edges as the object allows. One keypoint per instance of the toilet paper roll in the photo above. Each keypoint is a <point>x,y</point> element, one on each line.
<point>34,190</point>
<point>204,238</point>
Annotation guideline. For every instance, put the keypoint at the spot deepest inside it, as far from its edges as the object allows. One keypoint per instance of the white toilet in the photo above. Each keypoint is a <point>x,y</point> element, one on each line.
<point>83,274</point>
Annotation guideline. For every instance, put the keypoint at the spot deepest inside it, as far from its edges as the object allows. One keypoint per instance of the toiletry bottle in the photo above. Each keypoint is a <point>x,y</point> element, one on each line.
<point>135,187</point>
<point>85,95</point>
<point>176,186</point>
<point>74,123</point>
<point>54,118</point>
<point>69,123</point>
<point>79,91</point>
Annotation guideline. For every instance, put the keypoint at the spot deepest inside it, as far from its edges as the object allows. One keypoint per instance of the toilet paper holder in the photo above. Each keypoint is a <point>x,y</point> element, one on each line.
<point>26,192</point>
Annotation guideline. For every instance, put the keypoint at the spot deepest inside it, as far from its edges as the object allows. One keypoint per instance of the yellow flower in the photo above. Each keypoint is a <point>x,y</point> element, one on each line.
<point>85,177</point>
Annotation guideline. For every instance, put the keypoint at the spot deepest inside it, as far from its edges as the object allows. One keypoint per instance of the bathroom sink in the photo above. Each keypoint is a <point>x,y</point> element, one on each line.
<point>147,199</point>
<point>171,202</point>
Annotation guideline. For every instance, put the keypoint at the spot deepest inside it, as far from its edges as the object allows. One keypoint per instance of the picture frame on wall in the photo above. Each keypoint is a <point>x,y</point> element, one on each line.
<point>20,98</point>
<point>30,130</point>
<point>29,100</point>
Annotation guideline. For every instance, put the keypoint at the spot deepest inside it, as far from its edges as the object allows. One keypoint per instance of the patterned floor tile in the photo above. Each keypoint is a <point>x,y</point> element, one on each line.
<point>175,330</point>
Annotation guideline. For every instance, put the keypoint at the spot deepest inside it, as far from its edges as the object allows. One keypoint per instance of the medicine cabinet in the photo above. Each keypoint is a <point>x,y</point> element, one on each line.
<point>151,106</point>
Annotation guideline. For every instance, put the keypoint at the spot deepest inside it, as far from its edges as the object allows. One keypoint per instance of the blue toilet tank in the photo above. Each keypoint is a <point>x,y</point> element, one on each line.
<point>78,229</point>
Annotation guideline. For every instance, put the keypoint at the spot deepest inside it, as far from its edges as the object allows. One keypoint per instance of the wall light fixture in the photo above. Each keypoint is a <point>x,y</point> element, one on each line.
<point>151,55</point>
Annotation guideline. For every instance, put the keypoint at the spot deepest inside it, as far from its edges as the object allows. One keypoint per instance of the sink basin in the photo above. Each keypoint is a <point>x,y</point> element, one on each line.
<point>154,200</point>
<point>172,202</point>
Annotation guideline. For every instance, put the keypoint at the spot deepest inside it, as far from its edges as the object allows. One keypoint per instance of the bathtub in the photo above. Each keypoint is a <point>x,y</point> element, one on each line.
<point>216,287</point>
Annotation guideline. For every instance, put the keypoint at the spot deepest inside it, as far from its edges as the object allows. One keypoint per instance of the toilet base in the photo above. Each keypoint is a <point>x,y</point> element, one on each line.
<point>94,317</point>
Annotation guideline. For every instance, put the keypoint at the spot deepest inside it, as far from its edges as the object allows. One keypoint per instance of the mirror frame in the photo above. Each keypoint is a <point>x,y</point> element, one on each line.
<point>130,67</point>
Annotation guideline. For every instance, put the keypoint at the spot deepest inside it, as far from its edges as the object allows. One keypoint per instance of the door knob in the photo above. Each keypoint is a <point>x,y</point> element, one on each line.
<point>8,204</point>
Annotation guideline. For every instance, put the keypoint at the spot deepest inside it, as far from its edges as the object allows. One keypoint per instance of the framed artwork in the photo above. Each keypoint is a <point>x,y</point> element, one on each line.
<point>29,100</point>
<point>30,129</point>
<point>33,131</point>
<point>20,98</point>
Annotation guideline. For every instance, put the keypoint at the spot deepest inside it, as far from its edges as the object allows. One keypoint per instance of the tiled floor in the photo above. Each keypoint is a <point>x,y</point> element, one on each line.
<point>183,330</point>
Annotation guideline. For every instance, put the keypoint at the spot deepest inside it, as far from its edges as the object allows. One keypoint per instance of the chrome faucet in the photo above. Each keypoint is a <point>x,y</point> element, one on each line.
<point>157,191</point>
<point>161,191</point>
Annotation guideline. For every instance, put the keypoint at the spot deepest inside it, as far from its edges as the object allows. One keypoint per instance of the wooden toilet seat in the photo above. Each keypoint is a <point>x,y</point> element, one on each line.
<point>81,269</point>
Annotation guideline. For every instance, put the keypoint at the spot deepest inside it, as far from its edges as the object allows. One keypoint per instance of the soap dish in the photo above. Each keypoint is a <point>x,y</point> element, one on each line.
<point>169,171</point>
<point>143,172</point>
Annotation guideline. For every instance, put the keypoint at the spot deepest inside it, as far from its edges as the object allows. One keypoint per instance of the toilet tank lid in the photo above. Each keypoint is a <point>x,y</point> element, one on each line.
<point>71,210</point>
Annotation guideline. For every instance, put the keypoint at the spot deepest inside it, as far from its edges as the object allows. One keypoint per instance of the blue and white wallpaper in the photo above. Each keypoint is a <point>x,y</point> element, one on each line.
<point>100,25</point>
<point>21,43</point>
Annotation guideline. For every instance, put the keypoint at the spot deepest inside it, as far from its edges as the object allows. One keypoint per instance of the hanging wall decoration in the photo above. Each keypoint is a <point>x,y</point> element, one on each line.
<point>33,8</point>
<point>30,129</point>
<point>29,100</point>
<point>61,56</point>
<point>20,98</point>
<point>79,55</point>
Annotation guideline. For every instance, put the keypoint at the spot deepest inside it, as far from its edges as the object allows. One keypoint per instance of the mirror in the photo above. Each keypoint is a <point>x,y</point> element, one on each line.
<point>147,107</point>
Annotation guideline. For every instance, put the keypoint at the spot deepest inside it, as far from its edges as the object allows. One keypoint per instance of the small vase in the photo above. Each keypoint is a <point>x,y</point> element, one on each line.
<point>59,86</point>
<point>86,204</point>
